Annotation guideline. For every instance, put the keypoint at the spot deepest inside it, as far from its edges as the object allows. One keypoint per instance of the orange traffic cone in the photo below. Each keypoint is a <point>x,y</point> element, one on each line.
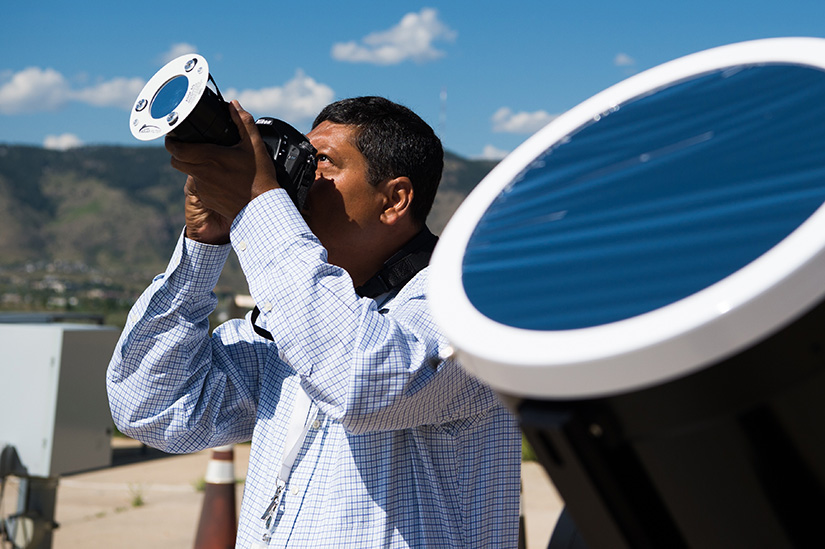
<point>218,523</point>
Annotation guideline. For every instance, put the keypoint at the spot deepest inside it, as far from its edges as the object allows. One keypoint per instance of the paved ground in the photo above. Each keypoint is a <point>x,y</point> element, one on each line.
<point>149,499</point>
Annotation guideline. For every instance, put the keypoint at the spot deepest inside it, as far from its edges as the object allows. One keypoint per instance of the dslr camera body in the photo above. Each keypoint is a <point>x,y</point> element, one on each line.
<point>293,155</point>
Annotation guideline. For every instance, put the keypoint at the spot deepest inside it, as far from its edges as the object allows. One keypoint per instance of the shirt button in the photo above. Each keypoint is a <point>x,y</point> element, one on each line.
<point>295,490</point>
<point>316,424</point>
<point>242,245</point>
<point>267,307</point>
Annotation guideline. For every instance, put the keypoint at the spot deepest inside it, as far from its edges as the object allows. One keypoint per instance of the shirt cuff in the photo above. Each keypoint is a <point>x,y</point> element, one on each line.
<point>267,227</point>
<point>272,213</point>
<point>195,267</point>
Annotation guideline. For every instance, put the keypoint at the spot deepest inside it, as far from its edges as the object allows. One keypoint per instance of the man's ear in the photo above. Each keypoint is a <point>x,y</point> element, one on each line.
<point>398,194</point>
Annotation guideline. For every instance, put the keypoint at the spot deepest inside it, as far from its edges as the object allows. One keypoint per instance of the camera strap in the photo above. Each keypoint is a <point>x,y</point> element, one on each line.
<point>395,273</point>
<point>402,266</point>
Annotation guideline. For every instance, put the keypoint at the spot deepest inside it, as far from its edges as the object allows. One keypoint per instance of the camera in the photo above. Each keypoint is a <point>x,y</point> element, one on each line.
<point>293,155</point>
<point>182,100</point>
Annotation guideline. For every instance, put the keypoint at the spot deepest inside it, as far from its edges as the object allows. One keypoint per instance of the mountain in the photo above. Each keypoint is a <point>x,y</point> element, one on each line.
<point>106,207</point>
<point>108,213</point>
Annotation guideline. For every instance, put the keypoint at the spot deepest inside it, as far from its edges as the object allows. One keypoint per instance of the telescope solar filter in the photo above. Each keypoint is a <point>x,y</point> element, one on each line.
<point>182,100</point>
<point>662,225</point>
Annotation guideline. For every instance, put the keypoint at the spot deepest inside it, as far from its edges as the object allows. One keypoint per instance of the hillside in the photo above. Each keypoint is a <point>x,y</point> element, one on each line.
<point>87,228</point>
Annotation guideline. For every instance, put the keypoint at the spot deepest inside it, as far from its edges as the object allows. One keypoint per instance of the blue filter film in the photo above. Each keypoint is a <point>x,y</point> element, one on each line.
<point>670,193</point>
<point>169,96</point>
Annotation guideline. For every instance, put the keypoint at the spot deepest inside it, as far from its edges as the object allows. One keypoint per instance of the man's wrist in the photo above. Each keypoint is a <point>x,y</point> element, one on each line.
<point>214,240</point>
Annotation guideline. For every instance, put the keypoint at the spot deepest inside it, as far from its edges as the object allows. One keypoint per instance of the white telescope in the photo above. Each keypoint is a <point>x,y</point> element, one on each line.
<point>644,280</point>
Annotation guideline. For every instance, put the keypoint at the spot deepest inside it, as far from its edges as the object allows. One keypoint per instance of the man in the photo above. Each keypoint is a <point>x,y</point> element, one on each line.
<point>363,434</point>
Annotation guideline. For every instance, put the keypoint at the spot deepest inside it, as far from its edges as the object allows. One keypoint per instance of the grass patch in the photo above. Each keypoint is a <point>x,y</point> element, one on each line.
<point>527,453</point>
<point>137,496</point>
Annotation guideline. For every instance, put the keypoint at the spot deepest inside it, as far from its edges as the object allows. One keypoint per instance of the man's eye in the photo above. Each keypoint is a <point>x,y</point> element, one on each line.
<point>322,158</point>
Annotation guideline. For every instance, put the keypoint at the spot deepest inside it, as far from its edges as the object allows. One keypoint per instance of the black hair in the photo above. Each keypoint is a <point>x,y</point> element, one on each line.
<point>396,142</point>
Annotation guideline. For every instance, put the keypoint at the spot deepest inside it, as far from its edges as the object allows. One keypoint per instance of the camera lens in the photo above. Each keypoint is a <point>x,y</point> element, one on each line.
<point>169,96</point>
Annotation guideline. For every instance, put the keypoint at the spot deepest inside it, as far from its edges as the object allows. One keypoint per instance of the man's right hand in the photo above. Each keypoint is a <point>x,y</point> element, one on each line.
<point>226,179</point>
<point>203,224</point>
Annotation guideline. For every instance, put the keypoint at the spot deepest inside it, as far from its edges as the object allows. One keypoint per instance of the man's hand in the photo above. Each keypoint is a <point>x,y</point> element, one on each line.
<point>222,180</point>
<point>203,224</point>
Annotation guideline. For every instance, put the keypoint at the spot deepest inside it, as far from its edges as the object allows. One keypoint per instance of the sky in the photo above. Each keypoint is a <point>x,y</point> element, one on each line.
<point>485,75</point>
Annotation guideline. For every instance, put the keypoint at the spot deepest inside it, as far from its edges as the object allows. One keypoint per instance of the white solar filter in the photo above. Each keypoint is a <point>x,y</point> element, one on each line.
<point>666,223</point>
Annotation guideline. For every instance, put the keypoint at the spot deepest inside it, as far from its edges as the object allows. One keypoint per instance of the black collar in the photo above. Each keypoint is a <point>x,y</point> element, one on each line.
<point>402,266</point>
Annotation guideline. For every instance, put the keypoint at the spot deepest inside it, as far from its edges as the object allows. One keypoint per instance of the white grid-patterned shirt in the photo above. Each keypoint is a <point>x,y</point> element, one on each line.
<point>407,450</point>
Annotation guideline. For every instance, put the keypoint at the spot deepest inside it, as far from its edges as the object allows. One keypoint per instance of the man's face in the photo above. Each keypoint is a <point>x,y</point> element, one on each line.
<point>343,209</point>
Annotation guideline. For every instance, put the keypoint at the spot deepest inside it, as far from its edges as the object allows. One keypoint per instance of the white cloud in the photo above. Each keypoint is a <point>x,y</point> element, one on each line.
<point>181,48</point>
<point>62,142</point>
<point>623,60</point>
<point>492,153</point>
<point>33,90</point>
<point>507,121</point>
<point>38,90</point>
<point>299,99</point>
<point>412,38</point>
<point>118,92</point>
